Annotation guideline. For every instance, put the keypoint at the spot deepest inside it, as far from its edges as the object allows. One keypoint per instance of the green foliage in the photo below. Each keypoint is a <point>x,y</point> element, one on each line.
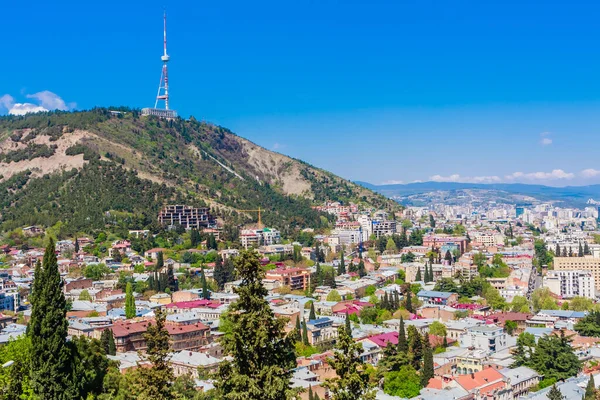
<point>130,310</point>
<point>15,380</point>
<point>542,300</point>
<point>589,325</point>
<point>96,271</point>
<point>554,357</point>
<point>437,328</point>
<point>107,340</point>
<point>51,356</point>
<point>263,356</point>
<point>334,295</point>
<point>352,382</point>
<point>85,295</point>
<point>510,327</point>
<point>404,383</point>
<point>555,394</point>
<point>590,389</point>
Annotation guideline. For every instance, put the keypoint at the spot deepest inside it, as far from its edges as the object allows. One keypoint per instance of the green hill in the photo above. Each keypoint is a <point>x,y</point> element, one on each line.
<point>95,168</point>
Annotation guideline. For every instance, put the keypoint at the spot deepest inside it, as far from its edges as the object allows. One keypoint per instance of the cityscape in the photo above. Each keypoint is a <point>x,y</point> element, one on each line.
<point>149,254</point>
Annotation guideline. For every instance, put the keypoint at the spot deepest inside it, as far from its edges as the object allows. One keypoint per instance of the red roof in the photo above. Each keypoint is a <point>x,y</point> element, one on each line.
<point>480,379</point>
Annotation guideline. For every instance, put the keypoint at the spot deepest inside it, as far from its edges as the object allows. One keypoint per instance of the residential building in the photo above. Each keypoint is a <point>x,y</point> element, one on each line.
<point>521,379</point>
<point>259,237</point>
<point>489,338</point>
<point>129,336</point>
<point>191,363</point>
<point>185,216</point>
<point>295,278</point>
<point>586,263</point>
<point>571,283</point>
<point>439,298</point>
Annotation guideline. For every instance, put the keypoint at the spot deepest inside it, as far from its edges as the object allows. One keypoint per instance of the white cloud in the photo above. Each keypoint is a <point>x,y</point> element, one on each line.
<point>546,141</point>
<point>590,173</point>
<point>25,108</point>
<point>540,176</point>
<point>392,182</point>
<point>465,179</point>
<point>51,101</point>
<point>45,100</point>
<point>278,146</point>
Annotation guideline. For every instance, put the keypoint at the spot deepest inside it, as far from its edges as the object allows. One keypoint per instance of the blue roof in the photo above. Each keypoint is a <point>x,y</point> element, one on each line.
<point>319,321</point>
<point>564,313</point>
<point>433,293</point>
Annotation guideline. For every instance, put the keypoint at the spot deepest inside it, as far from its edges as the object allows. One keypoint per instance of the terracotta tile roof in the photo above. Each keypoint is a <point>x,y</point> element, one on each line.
<point>481,380</point>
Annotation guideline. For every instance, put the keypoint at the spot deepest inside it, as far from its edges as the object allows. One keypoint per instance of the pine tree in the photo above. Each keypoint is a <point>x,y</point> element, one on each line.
<point>408,304</point>
<point>130,311</point>
<point>384,302</point>
<point>555,394</point>
<point>160,261</point>
<point>580,254</point>
<point>263,357</point>
<point>312,315</point>
<point>51,356</point>
<point>361,268</point>
<point>205,292</point>
<point>445,343</point>
<point>564,252</point>
<point>352,381</point>
<point>342,267</point>
<point>76,245</point>
<point>415,346</point>
<point>557,250</point>
<point>396,300</point>
<point>310,393</point>
<point>108,342</point>
<point>431,277</point>
<point>402,344</point>
<point>304,333</point>
<point>590,389</point>
<point>427,370</point>
<point>155,382</point>
<point>418,277</point>
<point>298,331</point>
<point>586,248</point>
<point>171,282</point>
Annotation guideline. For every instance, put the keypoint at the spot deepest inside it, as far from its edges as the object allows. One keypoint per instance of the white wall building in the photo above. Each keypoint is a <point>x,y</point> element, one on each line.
<point>571,283</point>
<point>487,338</point>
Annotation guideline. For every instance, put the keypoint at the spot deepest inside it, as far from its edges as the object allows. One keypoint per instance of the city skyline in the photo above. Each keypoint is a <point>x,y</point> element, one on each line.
<point>466,93</point>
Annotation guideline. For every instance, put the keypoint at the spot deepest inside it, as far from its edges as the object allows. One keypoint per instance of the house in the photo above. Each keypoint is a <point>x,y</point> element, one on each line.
<point>193,363</point>
<point>153,253</point>
<point>439,298</point>
<point>489,338</point>
<point>321,330</point>
<point>295,278</point>
<point>482,385</point>
<point>521,379</point>
<point>349,307</point>
<point>520,319</point>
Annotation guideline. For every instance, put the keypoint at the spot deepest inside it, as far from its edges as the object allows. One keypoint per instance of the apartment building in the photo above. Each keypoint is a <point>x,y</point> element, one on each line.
<point>571,283</point>
<point>295,278</point>
<point>488,338</point>
<point>186,216</point>
<point>383,228</point>
<point>259,237</point>
<point>586,263</point>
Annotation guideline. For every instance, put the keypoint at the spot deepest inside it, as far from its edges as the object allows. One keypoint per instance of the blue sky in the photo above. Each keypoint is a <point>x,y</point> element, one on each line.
<point>380,91</point>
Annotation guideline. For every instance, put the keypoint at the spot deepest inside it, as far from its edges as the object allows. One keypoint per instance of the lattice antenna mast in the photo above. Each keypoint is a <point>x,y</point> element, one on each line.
<point>163,85</point>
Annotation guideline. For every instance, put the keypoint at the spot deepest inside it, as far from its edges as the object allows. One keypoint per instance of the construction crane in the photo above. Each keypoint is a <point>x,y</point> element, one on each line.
<point>259,210</point>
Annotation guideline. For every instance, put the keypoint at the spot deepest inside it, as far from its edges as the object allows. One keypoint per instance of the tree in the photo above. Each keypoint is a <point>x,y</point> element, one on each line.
<point>555,394</point>
<point>334,296</point>
<point>262,355</point>
<point>437,328</point>
<point>160,261</point>
<point>390,246</point>
<point>554,357</point>
<point>312,315</point>
<point>404,383</point>
<point>89,365</point>
<point>304,333</point>
<point>418,277</point>
<point>342,266</point>
<point>77,245</point>
<point>448,256</point>
<point>195,239</point>
<point>590,389</point>
<point>297,337</point>
<point>510,327</point>
<point>224,271</point>
<point>107,340</point>
<point>408,301</point>
<point>85,295</point>
<point>130,310</point>
<point>352,382</point>
<point>589,325</point>
<point>361,269</point>
<point>415,346</point>
<point>586,248</point>
<point>96,271</point>
<point>205,291</point>
<point>431,221</point>
<point>15,382</point>
<point>519,304</point>
<point>402,344</point>
<point>580,252</point>
<point>427,370</point>
<point>51,356</point>
<point>156,381</point>
<point>171,282</point>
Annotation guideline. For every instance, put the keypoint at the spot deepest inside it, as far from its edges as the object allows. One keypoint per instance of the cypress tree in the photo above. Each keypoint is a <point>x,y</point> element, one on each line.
<point>580,254</point>
<point>160,261</point>
<point>130,311</point>
<point>347,326</point>
<point>586,248</point>
<point>163,282</point>
<point>304,333</point>
<point>312,315</point>
<point>76,245</point>
<point>396,300</point>
<point>418,276</point>
<point>171,282</point>
<point>156,381</point>
<point>557,250</point>
<point>415,346</point>
<point>427,371</point>
<point>402,344</point>
<point>51,356</point>
<point>590,389</point>
<point>342,267</point>
<point>262,356</point>
<point>361,268</point>
<point>564,252</point>
<point>298,330</point>
<point>555,394</point>
<point>310,393</point>
<point>408,304</point>
<point>112,347</point>
<point>445,343</point>
<point>570,252</point>
<point>318,275</point>
<point>205,292</point>
<point>384,302</point>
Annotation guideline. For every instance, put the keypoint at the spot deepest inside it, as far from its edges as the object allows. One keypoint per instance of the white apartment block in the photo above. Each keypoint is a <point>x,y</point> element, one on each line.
<point>488,338</point>
<point>259,237</point>
<point>587,263</point>
<point>571,283</point>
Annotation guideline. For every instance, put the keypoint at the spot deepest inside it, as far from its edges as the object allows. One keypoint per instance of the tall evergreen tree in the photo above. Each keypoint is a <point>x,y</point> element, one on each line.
<point>108,342</point>
<point>564,252</point>
<point>318,275</point>
<point>160,261</point>
<point>408,303</point>
<point>557,250</point>
<point>76,245</point>
<point>555,394</point>
<point>431,276</point>
<point>445,343</point>
<point>312,315</point>
<point>304,333</point>
<point>361,268</point>
<point>415,346</point>
<point>171,281</point>
<point>130,311</point>
<point>51,356</point>
<point>402,344</point>
<point>580,253</point>
<point>418,277</point>
<point>298,331</point>
<point>586,248</point>
<point>352,381</point>
<point>427,371</point>
<point>590,389</point>
<point>263,357</point>
<point>156,381</point>
<point>310,393</point>
<point>570,252</point>
<point>205,291</point>
<point>342,266</point>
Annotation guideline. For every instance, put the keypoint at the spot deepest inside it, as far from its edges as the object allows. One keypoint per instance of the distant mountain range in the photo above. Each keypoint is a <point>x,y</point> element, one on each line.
<point>568,195</point>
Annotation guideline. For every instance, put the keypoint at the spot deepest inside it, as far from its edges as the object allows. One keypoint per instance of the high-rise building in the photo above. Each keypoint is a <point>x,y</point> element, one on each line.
<point>587,263</point>
<point>571,283</point>
<point>186,216</point>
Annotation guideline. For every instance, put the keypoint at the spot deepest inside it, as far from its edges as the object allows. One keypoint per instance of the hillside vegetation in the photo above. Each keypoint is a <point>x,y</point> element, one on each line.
<point>92,168</point>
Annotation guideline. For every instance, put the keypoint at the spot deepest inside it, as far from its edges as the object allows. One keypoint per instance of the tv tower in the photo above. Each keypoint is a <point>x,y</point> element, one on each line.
<point>163,85</point>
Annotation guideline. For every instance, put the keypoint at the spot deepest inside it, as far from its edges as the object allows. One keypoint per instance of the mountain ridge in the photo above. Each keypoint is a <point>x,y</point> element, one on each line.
<point>182,160</point>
